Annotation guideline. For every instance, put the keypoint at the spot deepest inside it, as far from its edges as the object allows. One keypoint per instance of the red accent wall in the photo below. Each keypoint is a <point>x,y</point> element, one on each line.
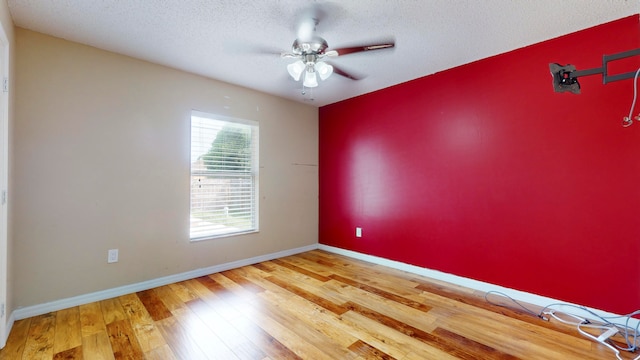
<point>483,171</point>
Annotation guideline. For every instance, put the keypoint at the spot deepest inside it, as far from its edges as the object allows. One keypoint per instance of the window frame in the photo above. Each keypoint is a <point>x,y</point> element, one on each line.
<point>255,165</point>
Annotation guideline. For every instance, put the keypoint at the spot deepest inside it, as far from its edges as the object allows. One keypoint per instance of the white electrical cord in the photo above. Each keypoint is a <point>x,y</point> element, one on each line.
<point>627,121</point>
<point>608,328</point>
<point>630,334</point>
<point>585,323</point>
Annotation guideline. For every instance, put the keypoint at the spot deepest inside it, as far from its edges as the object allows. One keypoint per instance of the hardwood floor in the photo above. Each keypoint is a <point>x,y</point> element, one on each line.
<point>314,305</point>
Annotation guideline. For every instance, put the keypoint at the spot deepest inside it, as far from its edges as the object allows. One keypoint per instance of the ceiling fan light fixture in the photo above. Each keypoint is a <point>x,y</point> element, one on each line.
<point>310,79</point>
<point>324,70</point>
<point>296,69</point>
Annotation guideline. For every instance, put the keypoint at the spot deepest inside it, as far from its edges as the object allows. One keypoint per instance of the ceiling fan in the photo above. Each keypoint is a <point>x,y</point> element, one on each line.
<point>311,52</point>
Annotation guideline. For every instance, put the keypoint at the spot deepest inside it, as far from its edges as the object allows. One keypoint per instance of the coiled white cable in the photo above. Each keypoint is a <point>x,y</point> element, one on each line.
<point>605,324</point>
<point>626,122</point>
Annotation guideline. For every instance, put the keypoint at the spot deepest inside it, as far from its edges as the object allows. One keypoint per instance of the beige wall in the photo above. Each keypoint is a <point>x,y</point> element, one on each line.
<point>102,161</point>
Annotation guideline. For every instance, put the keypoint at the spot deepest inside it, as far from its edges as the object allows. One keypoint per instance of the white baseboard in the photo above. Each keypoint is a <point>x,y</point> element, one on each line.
<point>520,296</point>
<point>35,310</point>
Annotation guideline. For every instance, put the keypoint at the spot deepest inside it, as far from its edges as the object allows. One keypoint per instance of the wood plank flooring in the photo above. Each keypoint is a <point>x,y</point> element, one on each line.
<point>315,305</point>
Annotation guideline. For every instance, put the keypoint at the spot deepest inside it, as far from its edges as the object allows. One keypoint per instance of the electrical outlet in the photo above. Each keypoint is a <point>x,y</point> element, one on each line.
<point>358,232</point>
<point>112,257</point>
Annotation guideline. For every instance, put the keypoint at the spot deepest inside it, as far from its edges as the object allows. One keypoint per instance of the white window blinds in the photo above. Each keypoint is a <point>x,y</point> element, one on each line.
<point>224,176</point>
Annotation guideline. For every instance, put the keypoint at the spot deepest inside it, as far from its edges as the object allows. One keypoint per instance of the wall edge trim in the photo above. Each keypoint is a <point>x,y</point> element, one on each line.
<point>35,310</point>
<point>518,295</point>
<point>10,320</point>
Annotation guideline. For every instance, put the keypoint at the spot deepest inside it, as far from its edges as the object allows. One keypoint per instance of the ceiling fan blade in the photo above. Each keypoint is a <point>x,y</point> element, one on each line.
<point>355,49</point>
<point>288,55</point>
<point>250,49</point>
<point>348,75</point>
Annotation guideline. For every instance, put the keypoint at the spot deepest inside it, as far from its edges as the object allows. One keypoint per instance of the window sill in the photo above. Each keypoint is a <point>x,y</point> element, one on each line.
<point>213,237</point>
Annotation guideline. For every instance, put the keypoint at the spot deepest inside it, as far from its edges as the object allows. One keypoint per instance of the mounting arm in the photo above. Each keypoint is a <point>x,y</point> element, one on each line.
<point>565,78</point>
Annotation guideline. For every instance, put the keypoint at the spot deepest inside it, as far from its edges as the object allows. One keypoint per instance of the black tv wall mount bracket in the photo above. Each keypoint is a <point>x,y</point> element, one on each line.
<point>565,78</point>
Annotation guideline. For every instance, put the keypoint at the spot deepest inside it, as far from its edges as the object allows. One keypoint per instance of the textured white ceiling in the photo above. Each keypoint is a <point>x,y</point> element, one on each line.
<point>238,41</point>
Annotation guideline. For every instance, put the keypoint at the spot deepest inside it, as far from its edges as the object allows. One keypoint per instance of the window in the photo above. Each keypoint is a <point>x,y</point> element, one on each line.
<point>224,176</point>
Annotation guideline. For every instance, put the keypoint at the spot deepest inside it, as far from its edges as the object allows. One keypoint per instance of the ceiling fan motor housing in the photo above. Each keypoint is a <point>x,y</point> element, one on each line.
<point>316,46</point>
